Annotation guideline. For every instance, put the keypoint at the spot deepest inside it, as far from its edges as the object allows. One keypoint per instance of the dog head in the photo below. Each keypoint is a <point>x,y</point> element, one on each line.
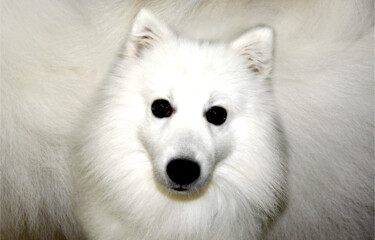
<point>200,99</point>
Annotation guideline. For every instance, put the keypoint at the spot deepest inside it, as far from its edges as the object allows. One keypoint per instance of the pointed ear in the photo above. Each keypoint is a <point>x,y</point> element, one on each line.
<point>145,33</point>
<point>256,46</point>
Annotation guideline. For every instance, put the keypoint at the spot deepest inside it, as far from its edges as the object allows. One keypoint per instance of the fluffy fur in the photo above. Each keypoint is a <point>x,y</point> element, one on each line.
<point>120,162</point>
<point>55,53</point>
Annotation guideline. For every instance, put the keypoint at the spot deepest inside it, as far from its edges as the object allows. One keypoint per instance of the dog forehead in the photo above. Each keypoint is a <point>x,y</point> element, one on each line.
<point>195,67</point>
<point>197,58</point>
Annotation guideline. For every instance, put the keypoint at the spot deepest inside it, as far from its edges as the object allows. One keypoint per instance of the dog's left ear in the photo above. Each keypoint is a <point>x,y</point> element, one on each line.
<point>256,46</point>
<point>145,33</point>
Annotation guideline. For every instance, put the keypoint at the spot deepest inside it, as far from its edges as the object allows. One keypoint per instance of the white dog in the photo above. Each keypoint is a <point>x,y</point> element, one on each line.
<point>54,55</point>
<point>183,142</point>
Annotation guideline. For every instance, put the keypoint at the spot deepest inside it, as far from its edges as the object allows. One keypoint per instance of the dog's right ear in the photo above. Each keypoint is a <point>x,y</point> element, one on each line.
<point>145,33</point>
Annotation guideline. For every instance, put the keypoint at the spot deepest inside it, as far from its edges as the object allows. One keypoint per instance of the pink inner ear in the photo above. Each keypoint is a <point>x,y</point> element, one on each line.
<point>144,41</point>
<point>256,47</point>
<point>147,30</point>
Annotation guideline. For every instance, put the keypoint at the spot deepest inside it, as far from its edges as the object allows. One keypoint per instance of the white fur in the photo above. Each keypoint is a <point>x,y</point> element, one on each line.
<point>55,53</point>
<point>242,176</point>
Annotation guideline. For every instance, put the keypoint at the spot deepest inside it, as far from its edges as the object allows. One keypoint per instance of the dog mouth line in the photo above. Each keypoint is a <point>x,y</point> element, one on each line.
<point>182,188</point>
<point>179,189</point>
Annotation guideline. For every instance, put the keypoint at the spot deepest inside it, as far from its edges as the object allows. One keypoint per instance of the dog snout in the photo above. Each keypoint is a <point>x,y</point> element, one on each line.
<point>183,172</point>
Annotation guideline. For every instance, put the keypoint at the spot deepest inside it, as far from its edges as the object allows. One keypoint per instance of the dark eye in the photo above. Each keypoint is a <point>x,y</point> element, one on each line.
<point>216,115</point>
<point>161,108</point>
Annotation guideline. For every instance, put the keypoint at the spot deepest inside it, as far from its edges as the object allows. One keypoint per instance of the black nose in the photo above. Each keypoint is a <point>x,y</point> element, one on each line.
<point>182,171</point>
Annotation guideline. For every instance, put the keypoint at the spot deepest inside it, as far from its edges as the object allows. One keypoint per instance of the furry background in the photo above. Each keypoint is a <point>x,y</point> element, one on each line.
<point>55,53</point>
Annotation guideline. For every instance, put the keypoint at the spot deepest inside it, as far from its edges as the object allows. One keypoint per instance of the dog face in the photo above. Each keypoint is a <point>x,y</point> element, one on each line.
<point>196,98</point>
<point>183,131</point>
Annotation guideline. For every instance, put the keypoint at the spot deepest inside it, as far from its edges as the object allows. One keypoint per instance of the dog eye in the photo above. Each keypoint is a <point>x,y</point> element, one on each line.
<point>216,115</point>
<point>161,108</point>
